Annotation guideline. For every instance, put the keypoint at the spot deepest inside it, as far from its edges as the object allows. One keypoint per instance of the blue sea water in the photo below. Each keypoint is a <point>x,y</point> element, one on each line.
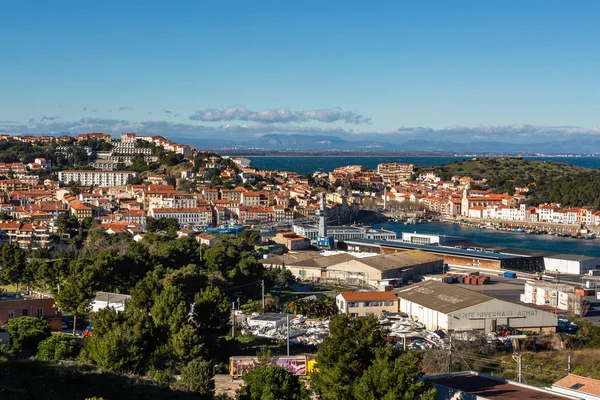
<point>310,164</point>
<point>500,238</point>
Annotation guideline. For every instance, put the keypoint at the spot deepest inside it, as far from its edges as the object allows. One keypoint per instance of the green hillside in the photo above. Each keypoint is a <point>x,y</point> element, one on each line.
<point>499,170</point>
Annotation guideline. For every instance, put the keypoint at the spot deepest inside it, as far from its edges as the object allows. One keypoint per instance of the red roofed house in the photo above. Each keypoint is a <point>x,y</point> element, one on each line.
<point>361,304</point>
<point>94,136</point>
<point>80,211</point>
<point>578,387</point>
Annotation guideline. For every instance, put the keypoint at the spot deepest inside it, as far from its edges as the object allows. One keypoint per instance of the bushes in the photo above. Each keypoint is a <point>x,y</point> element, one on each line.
<point>26,333</point>
<point>197,377</point>
<point>57,347</point>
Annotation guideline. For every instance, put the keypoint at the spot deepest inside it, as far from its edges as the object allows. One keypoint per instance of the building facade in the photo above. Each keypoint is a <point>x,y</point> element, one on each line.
<point>361,304</point>
<point>97,178</point>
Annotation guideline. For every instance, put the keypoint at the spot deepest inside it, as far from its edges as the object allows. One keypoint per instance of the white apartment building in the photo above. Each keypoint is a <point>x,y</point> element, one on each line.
<point>130,148</point>
<point>172,200</point>
<point>197,216</point>
<point>97,178</point>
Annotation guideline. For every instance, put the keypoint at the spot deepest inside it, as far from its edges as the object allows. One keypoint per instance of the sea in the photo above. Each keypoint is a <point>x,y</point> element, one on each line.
<point>501,238</point>
<point>310,164</point>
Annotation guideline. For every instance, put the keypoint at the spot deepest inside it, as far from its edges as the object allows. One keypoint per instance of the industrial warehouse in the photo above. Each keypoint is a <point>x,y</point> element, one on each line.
<point>450,308</point>
<point>378,270</point>
<point>461,253</point>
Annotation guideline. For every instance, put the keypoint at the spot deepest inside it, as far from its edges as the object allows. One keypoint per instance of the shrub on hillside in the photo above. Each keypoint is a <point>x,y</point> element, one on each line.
<point>57,347</point>
<point>26,333</point>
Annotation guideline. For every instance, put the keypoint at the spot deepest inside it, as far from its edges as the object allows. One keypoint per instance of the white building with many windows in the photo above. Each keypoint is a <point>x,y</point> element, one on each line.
<point>197,216</point>
<point>97,178</point>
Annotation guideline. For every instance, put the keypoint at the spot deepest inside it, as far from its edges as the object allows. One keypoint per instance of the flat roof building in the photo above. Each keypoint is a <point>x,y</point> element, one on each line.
<point>471,257</point>
<point>96,178</point>
<point>361,304</point>
<point>344,232</point>
<point>268,320</point>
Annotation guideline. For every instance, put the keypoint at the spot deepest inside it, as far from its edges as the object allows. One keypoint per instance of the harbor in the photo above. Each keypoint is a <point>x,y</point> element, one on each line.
<point>509,236</point>
<point>537,228</point>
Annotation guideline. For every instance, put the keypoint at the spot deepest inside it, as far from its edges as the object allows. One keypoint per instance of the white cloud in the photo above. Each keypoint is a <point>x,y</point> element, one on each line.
<point>249,130</point>
<point>279,115</point>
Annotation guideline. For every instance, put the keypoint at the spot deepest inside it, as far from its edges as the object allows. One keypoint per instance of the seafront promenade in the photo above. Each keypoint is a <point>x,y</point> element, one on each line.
<point>509,225</point>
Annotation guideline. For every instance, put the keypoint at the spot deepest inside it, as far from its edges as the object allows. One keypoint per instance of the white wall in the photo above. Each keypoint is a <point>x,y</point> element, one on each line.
<point>504,313</point>
<point>480,317</point>
<point>432,320</point>
<point>575,267</point>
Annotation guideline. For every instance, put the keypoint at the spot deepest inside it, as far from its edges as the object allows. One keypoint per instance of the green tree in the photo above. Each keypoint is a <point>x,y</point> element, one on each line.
<point>167,225</point>
<point>13,264</point>
<point>138,163</point>
<point>210,313</point>
<point>272,382</point>
<point>75,298</point>
<point>112,351</point>
<point>345,355</point>
<point>197,377</point>
<point>57,347</point>
<point>26,333</point>
<point>66,224</point>
<point>393,375</point>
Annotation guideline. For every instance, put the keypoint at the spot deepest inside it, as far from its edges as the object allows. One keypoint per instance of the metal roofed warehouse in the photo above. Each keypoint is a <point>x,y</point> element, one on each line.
<point>377,270</point>
<point>453,255</point>
<point>450,308</point>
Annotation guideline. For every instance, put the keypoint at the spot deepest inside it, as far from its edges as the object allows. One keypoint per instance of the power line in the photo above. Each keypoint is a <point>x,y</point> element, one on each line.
<point>241,286</point>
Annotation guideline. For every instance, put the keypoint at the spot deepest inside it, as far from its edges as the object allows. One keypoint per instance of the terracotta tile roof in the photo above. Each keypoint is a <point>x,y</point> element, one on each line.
<point>580,384</point>
<point>368,296</point>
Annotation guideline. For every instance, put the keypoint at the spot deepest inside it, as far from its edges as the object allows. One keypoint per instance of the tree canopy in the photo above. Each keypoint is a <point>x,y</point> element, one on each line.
<point>26,333</point>
<point>272,382</point>
<point>355,362</point>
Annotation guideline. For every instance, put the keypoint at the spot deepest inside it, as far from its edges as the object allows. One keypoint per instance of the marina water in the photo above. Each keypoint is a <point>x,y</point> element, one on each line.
<point>500,238</point>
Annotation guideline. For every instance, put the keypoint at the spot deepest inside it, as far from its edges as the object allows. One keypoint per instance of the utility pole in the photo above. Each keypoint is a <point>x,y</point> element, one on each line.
<point>288,333</point>
<point>449,356</point>
<point>233,320</point>
<point>262,284</point>
<point>519,359</point>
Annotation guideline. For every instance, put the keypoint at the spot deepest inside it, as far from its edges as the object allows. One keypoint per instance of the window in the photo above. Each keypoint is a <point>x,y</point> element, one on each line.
<point>40,312</point>
<point>25,313</point>
<point>11,314</point>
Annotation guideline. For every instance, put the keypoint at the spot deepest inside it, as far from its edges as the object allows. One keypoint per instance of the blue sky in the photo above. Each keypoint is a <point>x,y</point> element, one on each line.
<point>204,68</point>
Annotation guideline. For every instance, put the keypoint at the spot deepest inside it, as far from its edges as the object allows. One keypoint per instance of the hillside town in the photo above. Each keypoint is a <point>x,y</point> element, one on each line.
<point>219,190</point>
<point>175,215</point>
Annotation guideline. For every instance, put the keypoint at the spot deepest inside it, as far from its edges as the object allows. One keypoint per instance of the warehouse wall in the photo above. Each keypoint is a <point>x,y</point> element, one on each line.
<point>570,266</point>
<point>499,312</point>
<point>432,320</point>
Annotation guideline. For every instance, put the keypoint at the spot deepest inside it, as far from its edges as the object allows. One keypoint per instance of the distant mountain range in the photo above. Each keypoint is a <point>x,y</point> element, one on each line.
<point>334,143</point>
